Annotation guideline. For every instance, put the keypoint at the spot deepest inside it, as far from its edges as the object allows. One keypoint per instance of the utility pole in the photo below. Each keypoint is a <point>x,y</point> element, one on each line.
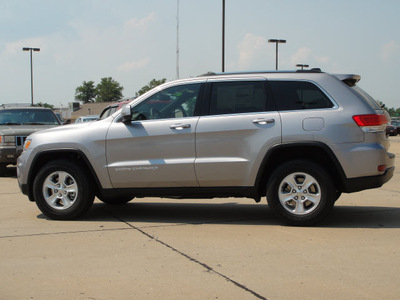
<point>177,39</point>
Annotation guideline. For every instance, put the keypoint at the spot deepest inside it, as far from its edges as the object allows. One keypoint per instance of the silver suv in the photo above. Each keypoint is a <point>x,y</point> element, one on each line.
<point>298,138</point>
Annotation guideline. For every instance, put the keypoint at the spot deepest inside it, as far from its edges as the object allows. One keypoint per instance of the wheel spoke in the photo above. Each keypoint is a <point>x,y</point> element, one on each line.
<point>73,188</point>
<point>66,201</point>
<point>291,181</point>
<point>50,184</point>
<point>63,176</point>
<point>308,182</point>
<point>52,199</point>
<point>287,199</point>
<point>299,209</point>
<point>314,198</point>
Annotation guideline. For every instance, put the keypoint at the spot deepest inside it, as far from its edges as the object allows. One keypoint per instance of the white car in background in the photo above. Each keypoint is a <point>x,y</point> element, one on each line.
<point>88,118</point>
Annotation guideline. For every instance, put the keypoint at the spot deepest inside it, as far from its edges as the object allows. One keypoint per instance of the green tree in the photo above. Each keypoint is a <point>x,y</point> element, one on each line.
<point>152,84</point>
<point>86,92</point>
<point>46,105</point>
<point>108,90</point>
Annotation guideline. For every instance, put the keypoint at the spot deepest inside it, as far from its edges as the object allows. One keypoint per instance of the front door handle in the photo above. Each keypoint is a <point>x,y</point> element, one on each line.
<point>263,121</point>
<point>180,126</point>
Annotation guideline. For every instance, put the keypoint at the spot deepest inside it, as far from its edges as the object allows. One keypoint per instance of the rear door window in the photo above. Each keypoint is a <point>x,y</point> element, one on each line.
<point>235,97</point>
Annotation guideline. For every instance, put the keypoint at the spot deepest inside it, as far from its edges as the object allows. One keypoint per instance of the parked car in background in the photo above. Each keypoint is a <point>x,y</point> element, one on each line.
<point>88,118</point>
<point>396,124</point>
<point>16,123</point>
<point>391,130</point>
<point>112,108</point>
<point>60,118</point>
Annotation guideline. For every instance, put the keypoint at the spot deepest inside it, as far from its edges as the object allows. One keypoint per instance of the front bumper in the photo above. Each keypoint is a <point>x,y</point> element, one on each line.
<point>9,155</point>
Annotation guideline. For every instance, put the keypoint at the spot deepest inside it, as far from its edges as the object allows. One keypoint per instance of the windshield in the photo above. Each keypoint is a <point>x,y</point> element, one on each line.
<point>28,117</point>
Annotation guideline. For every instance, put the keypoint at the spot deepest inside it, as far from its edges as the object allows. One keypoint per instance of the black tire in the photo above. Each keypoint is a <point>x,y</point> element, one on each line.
<point>115,200</point>
<point>296,204</point>
<point>62,190</point>
<point>3,168</point>
<point>337,195</point>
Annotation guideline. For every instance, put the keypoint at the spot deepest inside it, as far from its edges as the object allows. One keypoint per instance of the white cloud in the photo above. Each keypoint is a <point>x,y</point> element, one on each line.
<point>251,48</point>
<point>390,51</point>
<point>16,47</point>
<point>323,59</point>
<point>140,23</point>
<point>133,65</point>
<point>302,56</point>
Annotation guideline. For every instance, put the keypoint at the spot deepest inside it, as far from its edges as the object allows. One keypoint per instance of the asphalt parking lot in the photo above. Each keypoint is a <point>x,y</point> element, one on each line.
<point>201,249</point>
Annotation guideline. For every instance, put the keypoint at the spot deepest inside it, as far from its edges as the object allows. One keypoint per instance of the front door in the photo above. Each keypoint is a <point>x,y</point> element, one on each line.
<point>157,148</point>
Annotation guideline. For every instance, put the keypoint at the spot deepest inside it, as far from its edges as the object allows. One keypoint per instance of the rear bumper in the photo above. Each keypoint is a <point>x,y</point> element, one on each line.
<point>352,185</point>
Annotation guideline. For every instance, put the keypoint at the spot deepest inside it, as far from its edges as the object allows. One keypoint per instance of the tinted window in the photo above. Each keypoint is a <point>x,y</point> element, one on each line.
<point>367,97</point>
<point>237,97</point>
<point>295,95</point>
<point>174,102</point>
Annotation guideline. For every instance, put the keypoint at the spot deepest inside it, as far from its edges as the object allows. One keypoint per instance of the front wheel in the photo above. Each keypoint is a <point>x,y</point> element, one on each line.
<point>300,192</point>
<point>62,190</point>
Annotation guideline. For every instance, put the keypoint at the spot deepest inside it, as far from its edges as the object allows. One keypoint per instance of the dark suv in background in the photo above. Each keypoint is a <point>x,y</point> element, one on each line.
<point>16,123</point>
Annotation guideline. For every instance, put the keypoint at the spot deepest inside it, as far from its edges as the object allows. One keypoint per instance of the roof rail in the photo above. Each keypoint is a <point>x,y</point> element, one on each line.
<point>314,70</point>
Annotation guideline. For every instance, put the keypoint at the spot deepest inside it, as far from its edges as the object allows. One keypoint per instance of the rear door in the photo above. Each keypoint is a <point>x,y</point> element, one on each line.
<point>233,138</point>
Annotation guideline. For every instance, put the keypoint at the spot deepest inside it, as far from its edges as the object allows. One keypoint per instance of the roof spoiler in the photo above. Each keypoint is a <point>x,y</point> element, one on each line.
<point>349,79</point>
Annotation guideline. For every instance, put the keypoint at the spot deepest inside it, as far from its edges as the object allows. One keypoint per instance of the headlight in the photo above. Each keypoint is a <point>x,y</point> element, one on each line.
<point>27,144</point>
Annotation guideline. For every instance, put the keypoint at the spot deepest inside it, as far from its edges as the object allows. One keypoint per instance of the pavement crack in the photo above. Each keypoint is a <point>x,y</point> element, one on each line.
<point>60,232</point>
<point>194,260</point>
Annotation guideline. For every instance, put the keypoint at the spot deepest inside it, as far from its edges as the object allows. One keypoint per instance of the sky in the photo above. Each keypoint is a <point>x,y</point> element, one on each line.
<point>134,41</point>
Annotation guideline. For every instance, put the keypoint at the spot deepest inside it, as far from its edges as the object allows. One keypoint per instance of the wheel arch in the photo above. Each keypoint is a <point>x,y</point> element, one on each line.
<point>313,151</point>
<point>70,154</point>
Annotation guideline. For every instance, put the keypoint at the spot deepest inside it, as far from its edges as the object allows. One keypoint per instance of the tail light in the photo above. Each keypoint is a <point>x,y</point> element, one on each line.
<point>371,122</point>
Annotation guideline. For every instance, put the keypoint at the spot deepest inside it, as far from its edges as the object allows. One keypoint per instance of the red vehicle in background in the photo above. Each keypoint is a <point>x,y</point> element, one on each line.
<point>112,108</point>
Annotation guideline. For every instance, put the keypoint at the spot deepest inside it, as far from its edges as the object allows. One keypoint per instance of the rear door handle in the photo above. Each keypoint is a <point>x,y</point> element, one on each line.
<point>180,126</point>
<point>263,121</point>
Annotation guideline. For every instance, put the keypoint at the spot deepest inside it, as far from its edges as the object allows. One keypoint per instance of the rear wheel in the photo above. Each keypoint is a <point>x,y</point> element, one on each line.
<point>62,190</point>
<point>300,192</point>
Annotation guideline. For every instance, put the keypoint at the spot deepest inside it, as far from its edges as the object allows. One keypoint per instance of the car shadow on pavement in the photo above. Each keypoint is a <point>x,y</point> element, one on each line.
<point>10,171</point>
<point>234,213</point>
<point>362,217</point>
<point>185,213</point>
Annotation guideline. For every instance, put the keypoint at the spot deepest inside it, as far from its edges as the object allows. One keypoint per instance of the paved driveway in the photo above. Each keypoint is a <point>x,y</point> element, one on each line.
<point>201,249</point>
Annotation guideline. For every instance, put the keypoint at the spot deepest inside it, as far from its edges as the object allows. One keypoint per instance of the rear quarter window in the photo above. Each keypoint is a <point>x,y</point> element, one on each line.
<point>298,95</point>
<point>371,101</point>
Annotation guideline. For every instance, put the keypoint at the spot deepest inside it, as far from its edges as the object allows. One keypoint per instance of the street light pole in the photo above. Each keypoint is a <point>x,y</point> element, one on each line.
<point>276,41</point>
<point>30,50</point>
<point>223,35</point>
<point>302,66</point>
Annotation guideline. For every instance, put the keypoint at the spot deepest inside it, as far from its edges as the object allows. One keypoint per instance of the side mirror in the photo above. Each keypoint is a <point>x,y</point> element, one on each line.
<point>126,114</point>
